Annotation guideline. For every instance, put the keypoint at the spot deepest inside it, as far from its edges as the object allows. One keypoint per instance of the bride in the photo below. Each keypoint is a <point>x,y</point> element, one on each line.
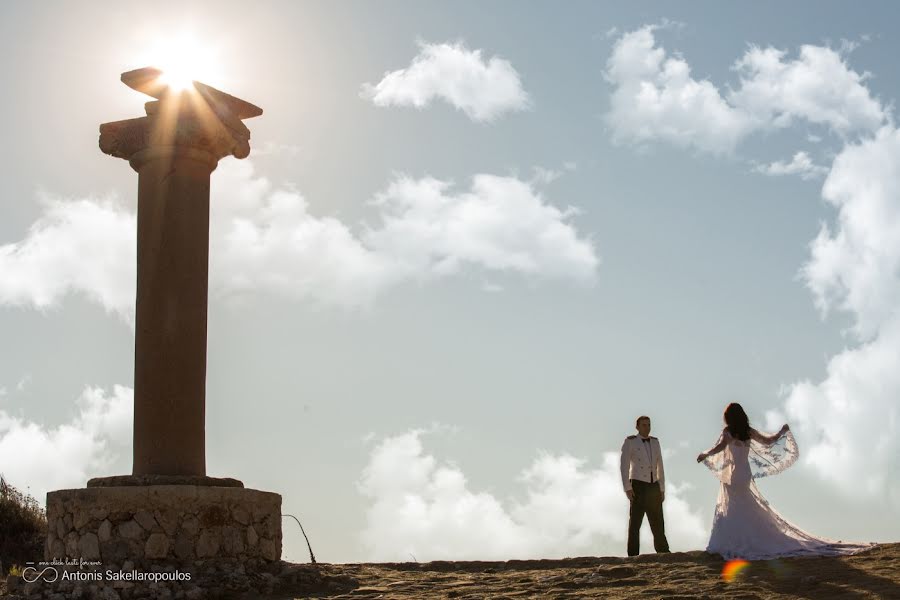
<point>745,526</point>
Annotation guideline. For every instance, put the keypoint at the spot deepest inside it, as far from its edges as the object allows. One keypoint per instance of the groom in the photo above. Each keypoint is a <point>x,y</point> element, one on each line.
<point>644,482</point>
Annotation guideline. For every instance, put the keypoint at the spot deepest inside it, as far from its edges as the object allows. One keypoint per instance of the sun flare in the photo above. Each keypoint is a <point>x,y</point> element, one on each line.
<point>183,59</point>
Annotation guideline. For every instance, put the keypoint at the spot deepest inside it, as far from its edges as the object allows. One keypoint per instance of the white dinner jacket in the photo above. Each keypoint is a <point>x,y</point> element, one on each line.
<point>640,460</point>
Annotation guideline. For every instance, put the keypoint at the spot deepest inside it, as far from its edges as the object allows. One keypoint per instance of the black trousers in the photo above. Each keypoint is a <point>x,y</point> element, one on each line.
<point>647,500</point>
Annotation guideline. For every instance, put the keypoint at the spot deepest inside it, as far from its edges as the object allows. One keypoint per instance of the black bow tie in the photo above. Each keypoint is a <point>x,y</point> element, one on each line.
<point>645,440</point>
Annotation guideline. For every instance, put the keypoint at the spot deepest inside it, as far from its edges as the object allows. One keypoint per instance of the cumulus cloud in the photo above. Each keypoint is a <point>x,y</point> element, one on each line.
<point>81,246</point>
<point>817,86</point>
<point>655,98</point>
<point>264,239</point>
<point>800,164</point>
<point>425,508</point>
<point>41,458</point>
<point>483,89</point>
<point>856,268</point>
<point>850,420</point>
<point>500,224</point>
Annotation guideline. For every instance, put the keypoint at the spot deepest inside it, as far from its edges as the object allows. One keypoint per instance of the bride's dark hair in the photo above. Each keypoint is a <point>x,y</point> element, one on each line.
<point>738,424</point>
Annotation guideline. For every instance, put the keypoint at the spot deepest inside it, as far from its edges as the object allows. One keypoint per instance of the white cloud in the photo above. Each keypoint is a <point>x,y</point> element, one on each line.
<point>423,508</point>
<point>850,420</point>
<point>77,246</point>
<point>37,458</point>
<point>656,99</point>
<point>801,164</point>
<point>484,90</point>
<point>857,267</point>
<point>501,224</point>
<point>818,86</point>
<point>849,424</point>
<point>263,239</point>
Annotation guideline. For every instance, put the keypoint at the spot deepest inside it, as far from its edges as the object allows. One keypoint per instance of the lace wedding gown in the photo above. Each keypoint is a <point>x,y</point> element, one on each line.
<point>745,526</point>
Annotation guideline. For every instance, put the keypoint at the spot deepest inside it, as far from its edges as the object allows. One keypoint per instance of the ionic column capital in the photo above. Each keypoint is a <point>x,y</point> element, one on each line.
<point>188,136</point>
<point>201,123</point>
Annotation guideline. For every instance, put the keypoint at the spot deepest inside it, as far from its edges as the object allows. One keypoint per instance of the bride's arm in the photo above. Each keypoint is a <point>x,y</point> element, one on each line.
<point>768,440</point>
<point>726,437</point>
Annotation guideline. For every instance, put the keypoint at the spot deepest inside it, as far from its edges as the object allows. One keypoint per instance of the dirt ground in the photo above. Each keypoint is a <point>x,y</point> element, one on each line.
<point>681,575</point>
<point>871,574</point>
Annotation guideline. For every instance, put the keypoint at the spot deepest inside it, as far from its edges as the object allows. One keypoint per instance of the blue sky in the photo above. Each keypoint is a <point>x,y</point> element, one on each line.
<point>471,244</point>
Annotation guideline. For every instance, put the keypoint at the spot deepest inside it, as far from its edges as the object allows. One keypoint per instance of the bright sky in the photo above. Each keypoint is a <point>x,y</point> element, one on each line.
<point>471,244</point>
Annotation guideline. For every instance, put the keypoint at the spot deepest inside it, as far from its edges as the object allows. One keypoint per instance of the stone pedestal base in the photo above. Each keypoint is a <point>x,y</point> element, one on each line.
<point>145,480</point>
<point>142,527</point>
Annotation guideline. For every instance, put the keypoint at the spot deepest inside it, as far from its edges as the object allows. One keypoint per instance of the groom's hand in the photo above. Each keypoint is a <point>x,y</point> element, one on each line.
<point>630,494</point>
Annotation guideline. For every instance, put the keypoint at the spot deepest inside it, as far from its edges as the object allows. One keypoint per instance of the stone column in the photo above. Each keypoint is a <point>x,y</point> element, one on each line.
<point>168,512</point>
<point>174,149</point>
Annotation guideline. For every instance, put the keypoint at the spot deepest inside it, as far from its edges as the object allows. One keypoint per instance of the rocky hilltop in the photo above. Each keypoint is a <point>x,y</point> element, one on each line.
<point>680,575</point>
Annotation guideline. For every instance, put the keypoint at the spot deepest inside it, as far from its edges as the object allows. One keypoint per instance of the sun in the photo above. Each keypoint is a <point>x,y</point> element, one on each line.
<point>183,59</point>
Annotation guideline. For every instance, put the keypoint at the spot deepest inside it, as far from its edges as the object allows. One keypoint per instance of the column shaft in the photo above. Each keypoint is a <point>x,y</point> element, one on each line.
<point>170,315</point>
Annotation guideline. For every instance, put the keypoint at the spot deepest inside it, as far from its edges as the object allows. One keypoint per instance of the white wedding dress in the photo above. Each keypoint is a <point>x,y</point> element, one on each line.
<point>745,526</point>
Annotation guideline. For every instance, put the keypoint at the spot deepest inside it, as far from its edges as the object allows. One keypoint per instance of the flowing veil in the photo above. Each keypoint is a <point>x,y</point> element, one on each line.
<point>745,525</point>
<point>765,460</point>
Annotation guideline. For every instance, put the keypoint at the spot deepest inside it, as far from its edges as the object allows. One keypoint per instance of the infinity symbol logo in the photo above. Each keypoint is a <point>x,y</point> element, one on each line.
<point>30,574</point>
